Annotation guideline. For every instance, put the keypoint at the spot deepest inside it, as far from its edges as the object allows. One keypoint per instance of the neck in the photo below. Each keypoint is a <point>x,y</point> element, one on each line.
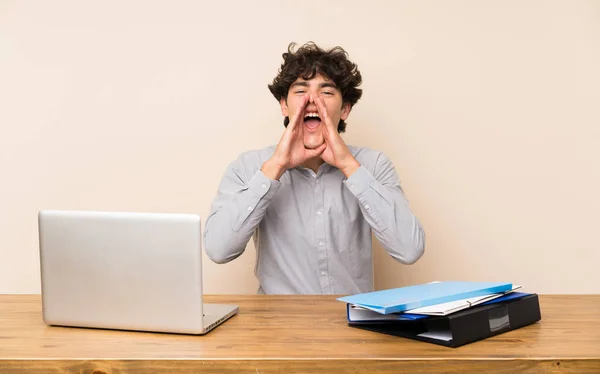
<point>313,163</point>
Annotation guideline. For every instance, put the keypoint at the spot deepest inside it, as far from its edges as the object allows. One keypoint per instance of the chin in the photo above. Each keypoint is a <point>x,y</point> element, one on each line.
<point>313,143</point>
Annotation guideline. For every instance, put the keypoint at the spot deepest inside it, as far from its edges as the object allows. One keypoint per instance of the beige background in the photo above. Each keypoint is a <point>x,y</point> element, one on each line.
<point>488,109</point>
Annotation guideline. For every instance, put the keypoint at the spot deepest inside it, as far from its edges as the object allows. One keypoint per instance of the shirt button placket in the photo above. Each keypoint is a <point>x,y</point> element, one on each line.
<point>321,237</point>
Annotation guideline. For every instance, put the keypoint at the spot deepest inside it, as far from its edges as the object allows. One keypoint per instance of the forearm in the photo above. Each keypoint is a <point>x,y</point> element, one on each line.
<point>234,218</point>
<point>386,210</point>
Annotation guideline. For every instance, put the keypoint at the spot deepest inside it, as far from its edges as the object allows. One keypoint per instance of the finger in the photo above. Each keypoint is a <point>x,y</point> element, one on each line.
<point>322,109</point>
<point>299,116</point>
<point>292,131</point>
<point>329,133</point>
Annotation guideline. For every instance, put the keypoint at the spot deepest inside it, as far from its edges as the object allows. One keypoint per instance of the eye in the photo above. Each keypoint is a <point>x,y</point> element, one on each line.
<point>300,91</point>
<point>327,93</point>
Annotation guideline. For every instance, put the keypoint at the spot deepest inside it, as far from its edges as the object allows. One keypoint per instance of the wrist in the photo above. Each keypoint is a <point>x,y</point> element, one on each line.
<point>272,169</point>
<point>348,168</point>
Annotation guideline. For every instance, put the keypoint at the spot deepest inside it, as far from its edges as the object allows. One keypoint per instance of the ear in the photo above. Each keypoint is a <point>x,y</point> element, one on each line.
<point>284,107</point>
<point>346,108</point>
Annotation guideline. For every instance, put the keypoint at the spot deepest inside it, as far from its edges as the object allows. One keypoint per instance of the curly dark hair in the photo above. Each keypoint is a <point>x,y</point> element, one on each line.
<point>309,60</point>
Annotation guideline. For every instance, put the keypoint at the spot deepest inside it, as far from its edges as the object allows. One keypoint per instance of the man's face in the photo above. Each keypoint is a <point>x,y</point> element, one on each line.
<point>317,87</point>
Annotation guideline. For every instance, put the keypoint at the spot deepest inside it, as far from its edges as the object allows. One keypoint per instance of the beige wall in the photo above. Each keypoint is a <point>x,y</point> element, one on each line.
<point>488,109</point>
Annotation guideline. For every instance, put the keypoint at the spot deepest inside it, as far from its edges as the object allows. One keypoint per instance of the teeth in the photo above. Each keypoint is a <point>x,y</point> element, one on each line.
<point>311,115</point>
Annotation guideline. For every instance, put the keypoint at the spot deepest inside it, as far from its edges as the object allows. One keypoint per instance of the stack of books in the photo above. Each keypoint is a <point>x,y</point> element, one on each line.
<point>452,313</point>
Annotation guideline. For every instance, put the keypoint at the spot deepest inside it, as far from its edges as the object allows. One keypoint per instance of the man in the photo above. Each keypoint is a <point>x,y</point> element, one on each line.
<point>311,202</point>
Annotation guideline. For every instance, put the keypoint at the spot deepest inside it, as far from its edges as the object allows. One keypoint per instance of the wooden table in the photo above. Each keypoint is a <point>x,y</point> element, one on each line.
<point>286,334</point>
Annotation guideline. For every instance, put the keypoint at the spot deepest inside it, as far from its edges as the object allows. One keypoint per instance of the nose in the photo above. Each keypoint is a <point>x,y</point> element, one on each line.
<point>311,106</point>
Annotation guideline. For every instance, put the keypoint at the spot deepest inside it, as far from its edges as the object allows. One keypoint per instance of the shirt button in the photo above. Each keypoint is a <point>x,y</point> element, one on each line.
<point>321,244</point>
<point>367,207</point>
<point>264,186</point>
<point>319,213</point>
<point>323,273</point>
<point>249,208</point>
<point>352,187</point>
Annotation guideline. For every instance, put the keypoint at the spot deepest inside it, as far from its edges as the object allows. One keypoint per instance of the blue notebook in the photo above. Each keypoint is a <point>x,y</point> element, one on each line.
<point>397,300</point>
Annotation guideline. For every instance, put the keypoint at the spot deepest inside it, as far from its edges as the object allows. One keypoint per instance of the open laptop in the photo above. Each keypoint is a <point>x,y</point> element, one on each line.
<point>125,271</point>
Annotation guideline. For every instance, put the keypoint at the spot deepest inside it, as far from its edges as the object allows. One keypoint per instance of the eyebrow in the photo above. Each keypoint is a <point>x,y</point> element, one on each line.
<point>327,84</point>
<point>305,84</point>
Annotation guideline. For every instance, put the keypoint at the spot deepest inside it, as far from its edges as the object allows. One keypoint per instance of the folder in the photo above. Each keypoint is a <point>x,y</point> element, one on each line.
<point>507,313</point>
<point>401,299</point>
<point>357,313</point>
<point>444,309</point>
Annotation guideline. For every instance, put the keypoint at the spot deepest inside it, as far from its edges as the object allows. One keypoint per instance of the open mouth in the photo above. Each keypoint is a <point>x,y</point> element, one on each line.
<point>312,120</point>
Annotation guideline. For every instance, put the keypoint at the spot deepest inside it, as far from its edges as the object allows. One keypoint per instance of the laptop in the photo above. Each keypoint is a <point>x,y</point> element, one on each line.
<point>125,271</point>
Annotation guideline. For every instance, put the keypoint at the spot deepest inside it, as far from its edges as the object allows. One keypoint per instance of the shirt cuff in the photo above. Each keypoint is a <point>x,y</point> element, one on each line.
<point>360,181</point>
<point>262,186</point>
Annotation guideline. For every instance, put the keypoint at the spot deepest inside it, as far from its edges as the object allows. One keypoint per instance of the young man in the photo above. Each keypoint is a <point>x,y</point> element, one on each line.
<point>312,201</point>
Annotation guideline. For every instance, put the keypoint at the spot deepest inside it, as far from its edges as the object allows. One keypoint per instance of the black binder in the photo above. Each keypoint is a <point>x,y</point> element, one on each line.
<point>467,326</point>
